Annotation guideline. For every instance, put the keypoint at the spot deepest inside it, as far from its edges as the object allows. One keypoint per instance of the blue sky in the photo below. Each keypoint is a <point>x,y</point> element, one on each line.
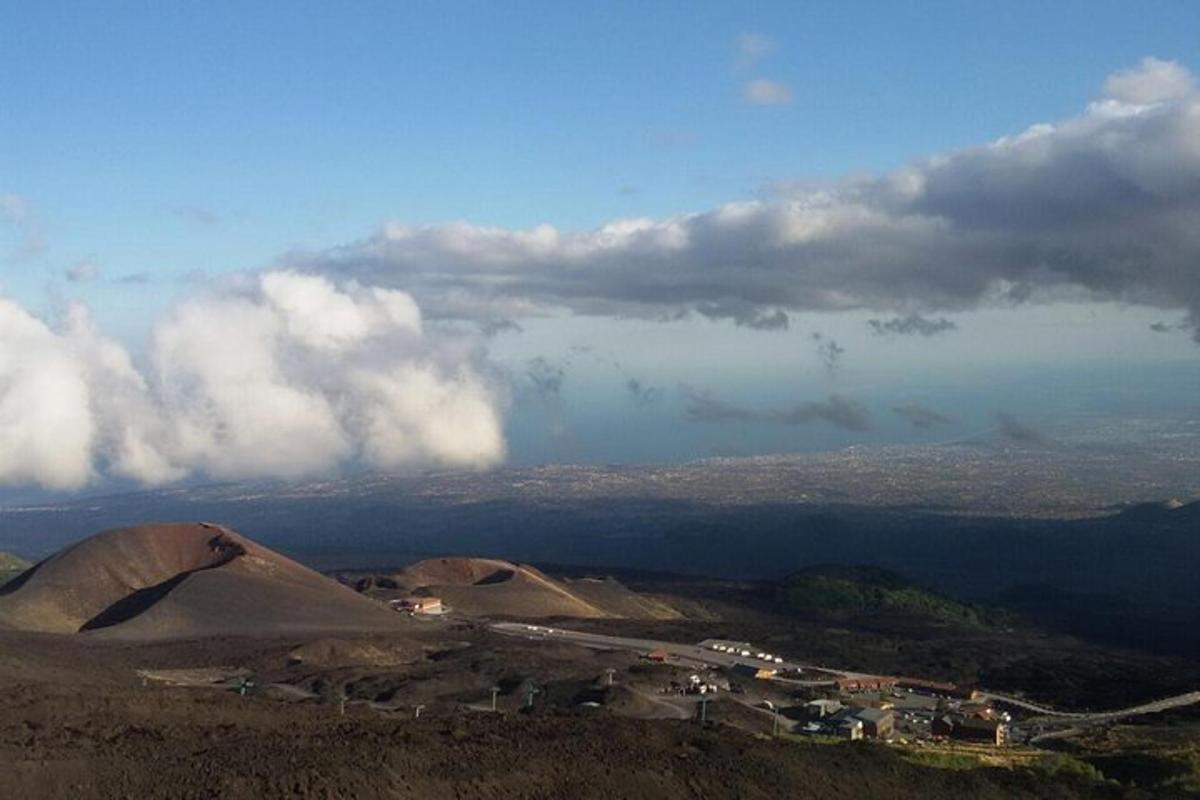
<point>308,123</point>
<point>149,142</point>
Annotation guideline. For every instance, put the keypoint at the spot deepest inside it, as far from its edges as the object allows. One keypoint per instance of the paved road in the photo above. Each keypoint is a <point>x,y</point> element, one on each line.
<point>1155,707</point>
<point>686,652</point>
<point>699,655</point>
<point>1065,733</point>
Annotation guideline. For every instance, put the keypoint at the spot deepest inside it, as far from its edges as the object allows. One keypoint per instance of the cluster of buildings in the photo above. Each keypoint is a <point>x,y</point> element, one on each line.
<point>878,719</point>
<point>865,706</point>
<point>849,722</point>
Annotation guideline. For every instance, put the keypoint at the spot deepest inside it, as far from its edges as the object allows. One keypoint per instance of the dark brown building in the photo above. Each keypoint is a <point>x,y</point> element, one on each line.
<point>863,683</point>
<point>938,687</point>
<point>877,723</point>
<point>977,710</point>
<point>970,729</point>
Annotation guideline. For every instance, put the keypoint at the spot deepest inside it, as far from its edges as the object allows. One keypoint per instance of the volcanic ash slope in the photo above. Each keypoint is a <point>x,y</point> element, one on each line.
<point>179,580</point>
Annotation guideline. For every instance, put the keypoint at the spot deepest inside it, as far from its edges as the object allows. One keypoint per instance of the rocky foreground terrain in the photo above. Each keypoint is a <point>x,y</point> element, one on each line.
<point>79,725</point>
<point>187,661</point>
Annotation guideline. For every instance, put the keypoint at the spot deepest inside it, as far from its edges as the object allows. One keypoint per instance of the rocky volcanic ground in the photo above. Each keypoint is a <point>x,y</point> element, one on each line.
<point>327,694</point>
<point>180,744</point>
<point>79,722</point>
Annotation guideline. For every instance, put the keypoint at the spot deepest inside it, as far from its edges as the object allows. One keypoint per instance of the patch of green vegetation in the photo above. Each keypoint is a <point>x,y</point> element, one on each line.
<point>10,563</point>
<point>11,566</point>
<point>1071,776</point>
<point>940,759</point>
<point>1007,654</point>
<point>1146,769</point>
<point>1163,757</point>
<point>854,590</point>
<point>1188,778</point>
<point>1061,766</point>
<point>812,739</point>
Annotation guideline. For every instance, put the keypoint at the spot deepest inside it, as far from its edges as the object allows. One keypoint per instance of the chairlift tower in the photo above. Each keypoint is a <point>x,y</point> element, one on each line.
<point>774,717</point>
<point>533,689</point>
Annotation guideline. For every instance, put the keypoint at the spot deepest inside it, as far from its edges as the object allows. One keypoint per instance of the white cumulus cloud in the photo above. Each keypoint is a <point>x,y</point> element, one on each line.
<point>47,429</point>
<point>279,375</point>
<point>1104,205</point>
<point>1152,81</point>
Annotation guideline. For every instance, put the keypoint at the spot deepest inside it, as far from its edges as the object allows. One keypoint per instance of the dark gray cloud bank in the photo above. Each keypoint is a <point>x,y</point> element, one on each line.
<point>1104,205</point>
<point>911,325</point>
<point>546,379</point>
<point>841,412</point>
<point>829,351</point>
<point>921,417</point>
<point>643,394</point>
